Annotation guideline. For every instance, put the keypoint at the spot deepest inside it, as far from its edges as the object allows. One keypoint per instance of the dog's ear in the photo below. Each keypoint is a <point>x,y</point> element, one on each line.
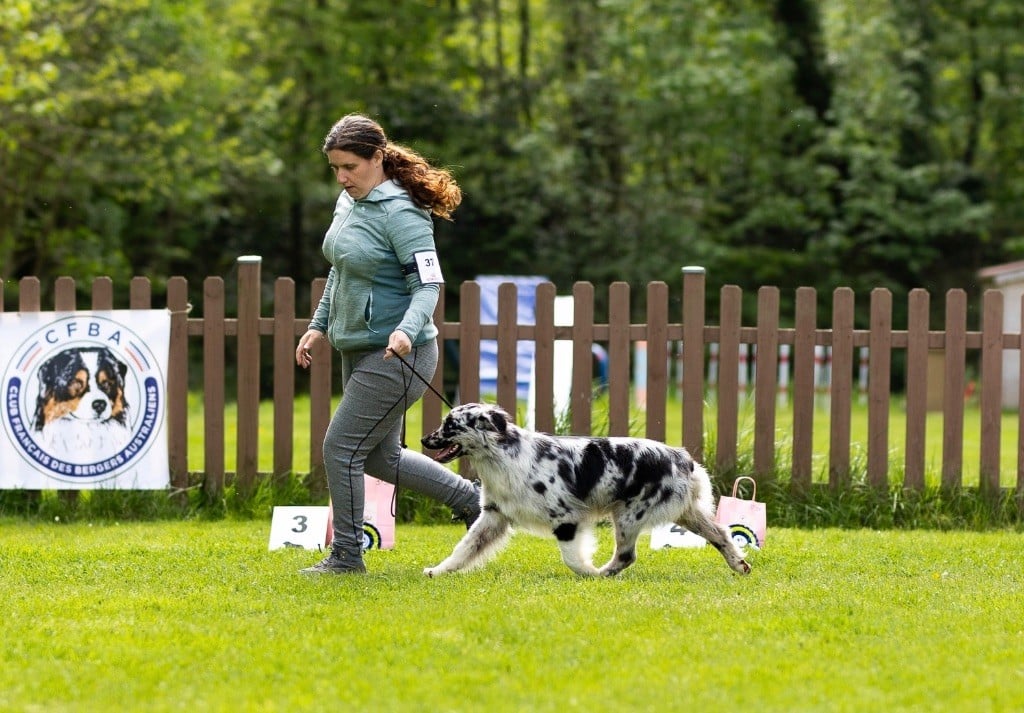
<point>499,421</point>
<point>47,371</point>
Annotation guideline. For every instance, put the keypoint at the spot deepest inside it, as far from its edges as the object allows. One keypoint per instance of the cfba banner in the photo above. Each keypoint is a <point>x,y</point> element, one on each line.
<point>84,399</point>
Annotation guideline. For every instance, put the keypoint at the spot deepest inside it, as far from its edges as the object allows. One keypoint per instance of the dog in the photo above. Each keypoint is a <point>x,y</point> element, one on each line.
<point>81,407</point>
<point>563,485</point>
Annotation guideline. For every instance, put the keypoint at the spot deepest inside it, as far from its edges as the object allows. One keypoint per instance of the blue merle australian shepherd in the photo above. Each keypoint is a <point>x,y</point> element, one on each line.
<point>563,485</point>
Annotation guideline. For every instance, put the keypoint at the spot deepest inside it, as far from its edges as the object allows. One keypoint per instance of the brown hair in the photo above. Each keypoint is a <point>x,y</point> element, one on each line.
<point>433,189</point>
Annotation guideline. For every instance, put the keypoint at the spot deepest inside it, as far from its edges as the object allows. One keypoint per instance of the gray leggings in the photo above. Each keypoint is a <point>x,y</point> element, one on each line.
<point>364,436</point>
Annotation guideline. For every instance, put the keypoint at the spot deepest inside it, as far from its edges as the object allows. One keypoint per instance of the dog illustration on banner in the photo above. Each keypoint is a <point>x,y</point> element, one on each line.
<point>81,406</point>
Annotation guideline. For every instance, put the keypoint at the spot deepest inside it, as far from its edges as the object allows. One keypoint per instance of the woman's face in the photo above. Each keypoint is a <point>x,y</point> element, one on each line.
<point>357,175</point>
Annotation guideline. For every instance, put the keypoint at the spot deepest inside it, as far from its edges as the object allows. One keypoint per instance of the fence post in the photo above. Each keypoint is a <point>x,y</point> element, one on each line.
<point>248,371</point>
<point>618,359</point>
<point>878,387</point>
<point>991,391</point>
<point>842,385</point>
<point>177,382</point>
<point>955,343</point>
<point>657,359</point>
<point>731,373</point>
<point>916,388</point>
<point>508,346</point>
<point>1020,419</point>
<point>806,368</point>
<point>213,385</point>
<point>765,384</point>
<point>694,280</point>
<point>541,412</point>
<point>284,377</point>
<point>582,358</point>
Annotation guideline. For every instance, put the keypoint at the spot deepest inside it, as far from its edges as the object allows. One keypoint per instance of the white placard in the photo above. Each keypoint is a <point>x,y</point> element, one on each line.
<point>429,268</point>
<point>671,535</point>
<point>302,526</point>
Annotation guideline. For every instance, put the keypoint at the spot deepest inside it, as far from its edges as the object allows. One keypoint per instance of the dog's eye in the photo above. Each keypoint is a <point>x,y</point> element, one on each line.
<point>79,385</point>
<point>106,383</point>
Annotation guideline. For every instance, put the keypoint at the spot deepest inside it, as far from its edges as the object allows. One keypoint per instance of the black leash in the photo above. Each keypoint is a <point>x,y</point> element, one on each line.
<point>429,385</point>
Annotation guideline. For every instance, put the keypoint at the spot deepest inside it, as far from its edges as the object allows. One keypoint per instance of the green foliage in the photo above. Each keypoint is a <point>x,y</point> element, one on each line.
<point>99,615</point>
<point>124,123</point>
<point>798,142</point>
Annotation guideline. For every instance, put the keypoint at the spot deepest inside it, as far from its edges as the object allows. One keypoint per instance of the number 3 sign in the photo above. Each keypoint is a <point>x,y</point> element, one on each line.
<point>310,527</point>
<point>299,526</point>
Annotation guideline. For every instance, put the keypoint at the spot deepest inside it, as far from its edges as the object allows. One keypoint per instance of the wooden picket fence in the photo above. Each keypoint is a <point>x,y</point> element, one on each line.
<point>249,327</point>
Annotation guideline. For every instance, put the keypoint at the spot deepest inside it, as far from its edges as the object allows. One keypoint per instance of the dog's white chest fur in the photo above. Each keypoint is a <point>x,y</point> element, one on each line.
<point>76,439</point>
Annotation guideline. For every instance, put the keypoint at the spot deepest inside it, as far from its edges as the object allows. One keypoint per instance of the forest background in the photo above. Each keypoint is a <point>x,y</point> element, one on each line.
<point>860,143</point>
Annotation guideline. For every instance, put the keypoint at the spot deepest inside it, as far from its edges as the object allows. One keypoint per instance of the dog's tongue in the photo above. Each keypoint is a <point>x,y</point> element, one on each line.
<point>448,453</point>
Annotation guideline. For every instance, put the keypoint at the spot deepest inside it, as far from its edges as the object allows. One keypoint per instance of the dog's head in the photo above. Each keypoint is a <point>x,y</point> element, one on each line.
<point>467,429</point>
<point>84,383</point>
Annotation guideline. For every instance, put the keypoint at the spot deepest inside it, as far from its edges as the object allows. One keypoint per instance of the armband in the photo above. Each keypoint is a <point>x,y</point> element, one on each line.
<point>427,266</point>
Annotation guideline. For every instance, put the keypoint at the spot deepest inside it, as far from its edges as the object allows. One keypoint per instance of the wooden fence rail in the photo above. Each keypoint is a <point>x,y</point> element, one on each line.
<point>251,327</point>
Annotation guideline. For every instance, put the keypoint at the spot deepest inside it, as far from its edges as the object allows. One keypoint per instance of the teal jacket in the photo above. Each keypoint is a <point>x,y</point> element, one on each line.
<point>368,295</point>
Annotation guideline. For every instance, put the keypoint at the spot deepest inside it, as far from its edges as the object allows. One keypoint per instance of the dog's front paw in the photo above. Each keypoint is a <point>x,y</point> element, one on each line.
<point>431,572</point>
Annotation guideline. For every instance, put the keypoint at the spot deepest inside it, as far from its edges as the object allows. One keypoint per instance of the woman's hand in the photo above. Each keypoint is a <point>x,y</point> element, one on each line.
<point>302,356</point>
<point>398,343</point>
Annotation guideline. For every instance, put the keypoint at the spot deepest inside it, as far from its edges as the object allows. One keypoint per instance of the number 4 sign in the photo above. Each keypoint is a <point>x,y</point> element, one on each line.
<point>299,526</point>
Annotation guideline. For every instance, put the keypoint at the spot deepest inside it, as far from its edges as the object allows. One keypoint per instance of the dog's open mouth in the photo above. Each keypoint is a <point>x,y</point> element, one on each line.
<point>449,453</point>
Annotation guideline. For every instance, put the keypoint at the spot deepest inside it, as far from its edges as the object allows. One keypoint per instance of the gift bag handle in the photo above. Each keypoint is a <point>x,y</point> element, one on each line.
<point>753,485</point>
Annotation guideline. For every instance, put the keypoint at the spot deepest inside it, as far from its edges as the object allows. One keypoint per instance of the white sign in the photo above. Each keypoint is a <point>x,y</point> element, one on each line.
<point>671,535</point>
<point>302,526</point>
<point>429,268</point>
<point>84,399</point>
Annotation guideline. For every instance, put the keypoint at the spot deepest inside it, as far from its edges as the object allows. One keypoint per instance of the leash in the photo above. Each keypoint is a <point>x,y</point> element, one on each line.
<point>429,385</point>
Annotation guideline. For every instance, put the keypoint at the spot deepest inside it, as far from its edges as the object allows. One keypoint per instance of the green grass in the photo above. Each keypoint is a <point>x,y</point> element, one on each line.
<point>200,616</point>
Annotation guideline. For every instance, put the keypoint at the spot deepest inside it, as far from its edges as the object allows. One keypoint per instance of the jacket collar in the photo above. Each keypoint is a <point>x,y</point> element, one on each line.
<point>386,191</point>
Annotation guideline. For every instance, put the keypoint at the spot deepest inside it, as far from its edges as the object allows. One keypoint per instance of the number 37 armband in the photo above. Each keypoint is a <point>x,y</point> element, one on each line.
<point>427,266</point>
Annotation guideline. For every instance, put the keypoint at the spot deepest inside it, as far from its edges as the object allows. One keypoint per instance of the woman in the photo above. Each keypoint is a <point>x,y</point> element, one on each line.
<point>379,302</point>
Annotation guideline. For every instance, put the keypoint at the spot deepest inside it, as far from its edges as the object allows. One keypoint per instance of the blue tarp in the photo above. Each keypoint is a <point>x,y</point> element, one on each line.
<point>526,298</point>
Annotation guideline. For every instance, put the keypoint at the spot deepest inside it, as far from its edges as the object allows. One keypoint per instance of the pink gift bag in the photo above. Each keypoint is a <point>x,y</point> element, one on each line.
<point>378,519</point>
<point>746,519</point>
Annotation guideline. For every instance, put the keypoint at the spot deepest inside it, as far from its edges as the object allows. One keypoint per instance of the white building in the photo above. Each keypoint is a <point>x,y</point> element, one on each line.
<point>1009,279</point>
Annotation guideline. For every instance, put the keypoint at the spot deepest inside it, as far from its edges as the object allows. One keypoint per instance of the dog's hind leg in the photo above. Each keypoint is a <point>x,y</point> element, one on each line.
<point>485,538</point>
<point>576,543</point>
<point>718,536</point>
<point>625,547</point>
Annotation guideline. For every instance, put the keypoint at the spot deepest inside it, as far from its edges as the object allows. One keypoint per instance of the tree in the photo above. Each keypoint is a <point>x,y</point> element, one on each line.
<point>119,128</point>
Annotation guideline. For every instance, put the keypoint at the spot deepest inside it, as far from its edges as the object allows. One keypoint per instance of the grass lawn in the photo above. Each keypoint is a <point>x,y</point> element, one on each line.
<point>200,616</point>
